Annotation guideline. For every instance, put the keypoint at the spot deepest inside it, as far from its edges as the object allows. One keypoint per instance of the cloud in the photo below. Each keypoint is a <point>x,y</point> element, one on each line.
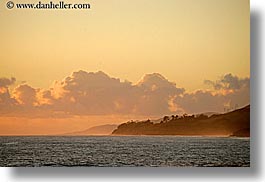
<point>229,92</point>
<point>90,93</point>
<point>25,95</point>
<point>156,81</point>
<point>229,82</point>
<point>156,91</point>
<point>6,102</point>
<point>5,82</point>
<point>204,101</point>
<point>200,101</point>
<point>96,93</point>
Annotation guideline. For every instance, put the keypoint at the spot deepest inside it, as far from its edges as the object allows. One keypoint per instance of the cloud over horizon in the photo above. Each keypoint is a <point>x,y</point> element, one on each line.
<point>6,102</point>
<point>96,93</point>
<point>229,82</point>
<point>229,92</point>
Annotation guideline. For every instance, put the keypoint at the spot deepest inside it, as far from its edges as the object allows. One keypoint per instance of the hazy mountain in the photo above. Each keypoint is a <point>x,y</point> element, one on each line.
<point>96,130</point>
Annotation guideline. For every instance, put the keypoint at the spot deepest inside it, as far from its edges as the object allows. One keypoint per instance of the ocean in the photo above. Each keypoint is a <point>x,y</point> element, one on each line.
<point>124,151</point>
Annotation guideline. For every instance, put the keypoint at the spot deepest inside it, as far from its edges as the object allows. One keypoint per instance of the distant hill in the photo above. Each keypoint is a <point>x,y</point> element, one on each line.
<point>96,130</point>
<point>235,123</point>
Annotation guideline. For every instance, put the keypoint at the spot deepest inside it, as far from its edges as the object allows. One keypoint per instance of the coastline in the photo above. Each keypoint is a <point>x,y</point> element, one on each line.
<point>119,135</point>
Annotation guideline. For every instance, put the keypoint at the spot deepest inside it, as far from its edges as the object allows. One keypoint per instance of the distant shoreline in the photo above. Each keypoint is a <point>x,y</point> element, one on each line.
<point>116,135</point>
<point>232,124</point>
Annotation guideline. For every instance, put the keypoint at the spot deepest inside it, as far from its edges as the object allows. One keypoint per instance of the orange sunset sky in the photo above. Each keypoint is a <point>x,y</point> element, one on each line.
<point>68,70</point>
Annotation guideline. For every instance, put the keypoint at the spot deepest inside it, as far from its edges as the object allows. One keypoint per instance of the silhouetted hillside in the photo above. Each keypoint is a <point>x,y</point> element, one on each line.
<point>235,123</point>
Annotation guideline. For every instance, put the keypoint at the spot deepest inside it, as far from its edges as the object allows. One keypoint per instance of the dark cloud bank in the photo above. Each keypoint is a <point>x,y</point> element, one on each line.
<point>84,93</point>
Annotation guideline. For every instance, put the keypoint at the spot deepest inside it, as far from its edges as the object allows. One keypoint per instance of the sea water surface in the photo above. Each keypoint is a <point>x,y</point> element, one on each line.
<point>123,151</point>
